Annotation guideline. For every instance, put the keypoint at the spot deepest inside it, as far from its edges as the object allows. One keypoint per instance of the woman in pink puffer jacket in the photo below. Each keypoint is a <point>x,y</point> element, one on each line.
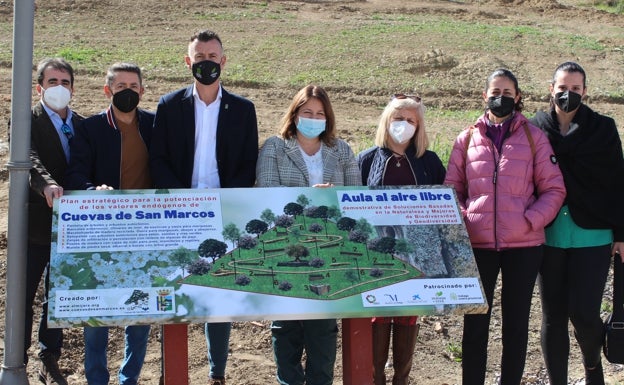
<point>509,187</point>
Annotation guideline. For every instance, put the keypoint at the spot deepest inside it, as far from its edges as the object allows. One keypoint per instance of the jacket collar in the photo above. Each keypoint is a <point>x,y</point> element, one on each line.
<point>329,154</point>
<point>516,121</point>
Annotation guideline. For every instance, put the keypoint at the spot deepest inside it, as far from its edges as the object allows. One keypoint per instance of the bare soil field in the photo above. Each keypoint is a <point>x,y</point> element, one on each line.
<point>449,76</point>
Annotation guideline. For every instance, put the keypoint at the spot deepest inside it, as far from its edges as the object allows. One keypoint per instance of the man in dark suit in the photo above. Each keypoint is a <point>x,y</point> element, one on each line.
<point>52,129</point>
<point>205,137</point>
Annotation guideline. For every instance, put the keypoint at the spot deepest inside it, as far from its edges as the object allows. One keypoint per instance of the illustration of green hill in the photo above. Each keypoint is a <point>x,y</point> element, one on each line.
<point>303,255</point>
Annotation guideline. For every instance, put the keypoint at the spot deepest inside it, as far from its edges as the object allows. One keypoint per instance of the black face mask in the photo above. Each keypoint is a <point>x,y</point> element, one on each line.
<point>568,100</point>
<point>126,100</point>
<point>501,106</point>
<point>206,72</point>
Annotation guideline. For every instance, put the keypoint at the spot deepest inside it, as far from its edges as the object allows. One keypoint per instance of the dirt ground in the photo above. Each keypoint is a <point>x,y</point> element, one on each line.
<point>457,85</point>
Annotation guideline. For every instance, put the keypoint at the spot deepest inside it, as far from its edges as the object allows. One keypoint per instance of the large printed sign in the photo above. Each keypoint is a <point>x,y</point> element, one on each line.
<point>179,256</point>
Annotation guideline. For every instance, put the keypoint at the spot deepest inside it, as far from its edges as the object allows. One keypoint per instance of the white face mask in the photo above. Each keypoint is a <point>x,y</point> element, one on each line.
<point>401,131</point>
<point>57,97</point>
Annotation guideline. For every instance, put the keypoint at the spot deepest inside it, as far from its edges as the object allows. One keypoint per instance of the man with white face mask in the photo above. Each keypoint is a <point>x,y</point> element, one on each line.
<point>52,128</point>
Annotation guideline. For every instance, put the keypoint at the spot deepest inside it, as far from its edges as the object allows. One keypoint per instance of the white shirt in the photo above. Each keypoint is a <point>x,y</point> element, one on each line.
<point>205,170</point>
<point>314,164</point>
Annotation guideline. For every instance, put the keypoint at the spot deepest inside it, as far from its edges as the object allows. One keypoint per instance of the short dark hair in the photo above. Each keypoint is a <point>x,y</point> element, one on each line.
<point>206,35</point>
<point>122,67</point>
<point>503,72</point>
<point>569,66</point>
<point>57,63</point>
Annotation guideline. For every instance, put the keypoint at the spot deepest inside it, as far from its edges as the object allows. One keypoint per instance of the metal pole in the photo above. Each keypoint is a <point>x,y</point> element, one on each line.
<point>13,370</point>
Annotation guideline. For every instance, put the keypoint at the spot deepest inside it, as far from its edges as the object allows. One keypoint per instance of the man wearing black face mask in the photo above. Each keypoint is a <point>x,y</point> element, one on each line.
<point>205,137</point>
<point>110,151</point>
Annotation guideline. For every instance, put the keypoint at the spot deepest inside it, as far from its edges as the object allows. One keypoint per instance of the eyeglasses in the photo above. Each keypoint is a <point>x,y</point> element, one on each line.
<point>407,96</point>
<point>65,129</point>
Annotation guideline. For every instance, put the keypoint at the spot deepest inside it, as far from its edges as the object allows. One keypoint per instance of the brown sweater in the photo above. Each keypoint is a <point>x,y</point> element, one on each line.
<point>134,157</point>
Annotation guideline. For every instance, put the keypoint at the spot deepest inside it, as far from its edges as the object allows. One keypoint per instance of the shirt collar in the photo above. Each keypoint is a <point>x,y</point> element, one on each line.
<point>55,117</point>
<point>502,125</point>
<point>198,99</point>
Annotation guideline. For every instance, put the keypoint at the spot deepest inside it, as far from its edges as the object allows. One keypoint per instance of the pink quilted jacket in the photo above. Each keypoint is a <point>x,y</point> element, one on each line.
<point>506,198</point>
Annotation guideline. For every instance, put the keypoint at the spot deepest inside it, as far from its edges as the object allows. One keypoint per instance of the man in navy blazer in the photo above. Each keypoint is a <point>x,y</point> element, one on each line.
<point>205,137</point>
<point>235,142</point>
<point>110,151</point>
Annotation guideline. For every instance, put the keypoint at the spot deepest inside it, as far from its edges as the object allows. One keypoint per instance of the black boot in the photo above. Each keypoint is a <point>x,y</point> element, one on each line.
<point>594,376</point>
<point>49,372</point>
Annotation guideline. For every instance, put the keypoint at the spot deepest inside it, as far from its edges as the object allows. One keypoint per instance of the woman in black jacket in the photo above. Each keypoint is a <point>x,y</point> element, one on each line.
<point>588,229</point>
<point>399,157</point>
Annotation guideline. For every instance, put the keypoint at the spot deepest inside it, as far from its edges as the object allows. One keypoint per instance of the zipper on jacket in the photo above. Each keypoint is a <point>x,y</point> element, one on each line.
<point>412,169</point>
<point>385,168</point>
<point>494,182</point>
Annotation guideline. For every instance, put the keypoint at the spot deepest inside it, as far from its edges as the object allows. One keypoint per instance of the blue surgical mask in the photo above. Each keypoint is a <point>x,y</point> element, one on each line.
<point>310,128</point>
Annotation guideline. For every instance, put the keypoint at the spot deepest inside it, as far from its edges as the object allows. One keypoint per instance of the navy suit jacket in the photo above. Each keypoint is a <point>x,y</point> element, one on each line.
<point>96,151</point>
<point>172,148</point>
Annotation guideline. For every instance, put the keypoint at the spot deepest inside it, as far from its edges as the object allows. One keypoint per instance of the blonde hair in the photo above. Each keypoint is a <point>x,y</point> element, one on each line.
<point>419,140</point>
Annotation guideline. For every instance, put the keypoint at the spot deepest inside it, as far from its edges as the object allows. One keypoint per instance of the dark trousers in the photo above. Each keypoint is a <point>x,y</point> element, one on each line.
<point>403,344</point>
<point>218,343</point>
<point>572,283</point>
<point>519,268</point>
<point>318,337</point>
<point>50,340</point>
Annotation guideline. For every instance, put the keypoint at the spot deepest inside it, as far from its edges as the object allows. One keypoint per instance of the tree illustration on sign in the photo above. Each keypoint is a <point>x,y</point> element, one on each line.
<point>267,216</point>
<point>293,209</point>
<point>231,233</point>
<point>297,252</point>
<point>212,248</point>
<point>384,245</point>
<point>333,212</point>
<point>346,224</point>
<point>256,226</point>
<point>284,221</point>
<point>183,257</point>
<point>247,242</point>
<point>403,247</point>
<point>303,200</point>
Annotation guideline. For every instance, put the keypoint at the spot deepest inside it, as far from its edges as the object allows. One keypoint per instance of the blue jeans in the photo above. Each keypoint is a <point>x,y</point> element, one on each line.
<point>96,364</point>
<point>318,337</point>
<point>218,342</point>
